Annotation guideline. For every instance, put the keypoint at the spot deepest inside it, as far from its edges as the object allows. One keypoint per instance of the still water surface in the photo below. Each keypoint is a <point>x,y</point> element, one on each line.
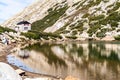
<point>84,60</point>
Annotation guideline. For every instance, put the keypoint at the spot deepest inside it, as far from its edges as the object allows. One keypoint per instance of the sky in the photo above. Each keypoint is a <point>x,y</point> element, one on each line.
<point>9,8</point>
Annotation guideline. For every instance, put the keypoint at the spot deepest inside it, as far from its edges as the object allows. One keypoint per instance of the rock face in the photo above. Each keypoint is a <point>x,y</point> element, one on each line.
<point>8,73</point>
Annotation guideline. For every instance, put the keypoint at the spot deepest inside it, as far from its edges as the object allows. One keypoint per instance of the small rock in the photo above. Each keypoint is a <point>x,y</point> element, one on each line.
<point>71,78</point>
<point>37,79</point>
<point>8,73</point>
<point>20,72</point>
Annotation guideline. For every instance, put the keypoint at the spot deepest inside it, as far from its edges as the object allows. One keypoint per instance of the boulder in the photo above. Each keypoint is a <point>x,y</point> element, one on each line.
<point>108,38</point>
<point>8,73</point>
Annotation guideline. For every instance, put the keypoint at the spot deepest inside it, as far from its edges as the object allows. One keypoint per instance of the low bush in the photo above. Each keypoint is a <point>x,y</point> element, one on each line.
<point>71,37</point>
<point>3,29</point>
<point>38,35</point>
<point>93,29</point>
<point>117,37</point>
<point>31,35</point>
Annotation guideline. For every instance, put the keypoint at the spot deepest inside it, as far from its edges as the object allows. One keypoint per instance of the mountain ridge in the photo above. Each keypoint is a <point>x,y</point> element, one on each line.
<point>79,18</point>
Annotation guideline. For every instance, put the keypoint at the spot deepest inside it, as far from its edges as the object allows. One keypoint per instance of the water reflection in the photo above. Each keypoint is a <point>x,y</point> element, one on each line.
<point>86,61</point>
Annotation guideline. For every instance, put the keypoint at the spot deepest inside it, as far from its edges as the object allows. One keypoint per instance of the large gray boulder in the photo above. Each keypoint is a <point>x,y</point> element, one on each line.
<point>8,73</point>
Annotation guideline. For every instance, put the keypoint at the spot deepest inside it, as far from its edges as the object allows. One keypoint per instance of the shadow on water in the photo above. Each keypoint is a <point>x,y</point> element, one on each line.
<point>87,61</point>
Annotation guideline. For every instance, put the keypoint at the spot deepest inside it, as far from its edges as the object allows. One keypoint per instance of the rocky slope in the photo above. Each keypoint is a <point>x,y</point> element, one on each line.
<point>72,18</point>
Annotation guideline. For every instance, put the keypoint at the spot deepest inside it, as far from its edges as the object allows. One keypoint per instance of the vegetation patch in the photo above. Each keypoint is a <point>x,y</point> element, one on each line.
<point>74,32</point>
<point>71,37</point>
<point>77,26</point>
<point>31,35</point>
<point>117,37</point>
<point>93,29</point>
<point>3,29</point>
<point>53,15</point>
<point>38,35</point>
<point>113,19</point>
<point>97,17</point>
<point>116,7</point>
<point>62,29</point>
<point>86,15</point>
<point>100,34</point>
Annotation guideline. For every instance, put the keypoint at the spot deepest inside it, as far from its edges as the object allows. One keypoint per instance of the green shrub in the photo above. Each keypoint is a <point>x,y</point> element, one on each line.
<point>93,29</point>
<point>100,34</point>
<point>118,30</point>
<point>31,35</point>
<point>104,30</point>
<point>9,30</point>
<point>78,26</point>
<point>38,35</point>
<point>105,1</point>
<point>71,37</point>
<point>116,7</point>
<point>75,4</point>
<point>114,23</point>
<point>97,17</point>
<point>117,37</point>
<point>80,4</point>
<point>74,33</point>
<point>113,19</point>
<point>98,2</point>
<point>115,16</point>
<point>3,29</point>
<point>103,22</point>
<point>86,15</point>
<point>65,31</point>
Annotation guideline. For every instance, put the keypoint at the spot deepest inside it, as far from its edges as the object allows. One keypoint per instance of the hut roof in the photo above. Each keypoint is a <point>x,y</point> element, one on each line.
<point>23,22</point>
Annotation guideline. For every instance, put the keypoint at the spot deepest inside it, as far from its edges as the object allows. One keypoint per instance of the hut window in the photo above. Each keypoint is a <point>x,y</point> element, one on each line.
<point>25,28</point>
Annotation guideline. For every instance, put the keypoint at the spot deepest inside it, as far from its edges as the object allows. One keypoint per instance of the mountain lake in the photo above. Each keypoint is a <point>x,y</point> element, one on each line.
<point>94,60</point>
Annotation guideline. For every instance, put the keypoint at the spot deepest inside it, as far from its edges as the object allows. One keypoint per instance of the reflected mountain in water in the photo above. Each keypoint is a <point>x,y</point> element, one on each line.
<point>87,60</point>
